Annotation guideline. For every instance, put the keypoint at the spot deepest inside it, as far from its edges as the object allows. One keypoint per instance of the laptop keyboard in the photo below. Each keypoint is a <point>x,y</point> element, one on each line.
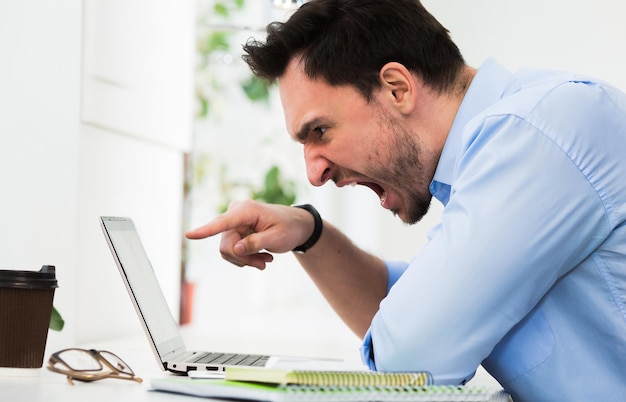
<point>232,359</point>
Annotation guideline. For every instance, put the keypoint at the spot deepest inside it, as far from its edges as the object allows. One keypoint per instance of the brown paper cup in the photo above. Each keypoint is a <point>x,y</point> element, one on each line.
<point>25,309</point>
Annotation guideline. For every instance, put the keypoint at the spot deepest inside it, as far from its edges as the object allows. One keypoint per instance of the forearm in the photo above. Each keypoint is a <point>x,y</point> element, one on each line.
<point>352,281</point>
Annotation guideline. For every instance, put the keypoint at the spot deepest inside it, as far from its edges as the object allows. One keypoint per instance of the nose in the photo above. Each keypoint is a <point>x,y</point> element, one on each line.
<point>318,168</point>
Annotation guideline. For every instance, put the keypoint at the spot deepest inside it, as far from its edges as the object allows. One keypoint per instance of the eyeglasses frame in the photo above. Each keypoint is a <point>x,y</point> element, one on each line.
<point>89,375</point>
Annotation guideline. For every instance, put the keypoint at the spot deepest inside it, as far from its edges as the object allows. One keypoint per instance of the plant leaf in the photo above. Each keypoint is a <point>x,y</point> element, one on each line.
<point>215,41</point>
<point>275,190</point>
<point>221,9</point>
<point>256,89</point>
<point>56,321</point>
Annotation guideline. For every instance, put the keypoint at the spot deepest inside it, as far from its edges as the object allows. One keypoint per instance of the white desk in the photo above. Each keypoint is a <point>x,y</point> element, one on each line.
<point>134,350</point>
<point>53,387</point>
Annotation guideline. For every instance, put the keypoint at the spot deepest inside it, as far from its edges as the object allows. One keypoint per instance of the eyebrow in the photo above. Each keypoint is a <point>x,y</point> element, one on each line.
<point>303,133</point>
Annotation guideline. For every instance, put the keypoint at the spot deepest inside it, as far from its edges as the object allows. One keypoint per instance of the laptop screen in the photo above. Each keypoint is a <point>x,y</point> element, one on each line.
<point>142,285</point>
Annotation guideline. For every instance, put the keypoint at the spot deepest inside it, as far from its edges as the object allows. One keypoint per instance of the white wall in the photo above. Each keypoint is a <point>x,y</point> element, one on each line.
<point>39,138</point>
<point>582,36</point>
<point>137,113</point>
<point>95,116</point>
<point>39,131</point>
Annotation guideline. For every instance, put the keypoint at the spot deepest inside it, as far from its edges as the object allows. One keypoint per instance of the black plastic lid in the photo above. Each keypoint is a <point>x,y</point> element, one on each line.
<point>45,278</point>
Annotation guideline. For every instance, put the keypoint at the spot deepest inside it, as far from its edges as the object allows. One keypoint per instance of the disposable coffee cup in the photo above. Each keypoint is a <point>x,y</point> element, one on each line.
<point>25,309</point>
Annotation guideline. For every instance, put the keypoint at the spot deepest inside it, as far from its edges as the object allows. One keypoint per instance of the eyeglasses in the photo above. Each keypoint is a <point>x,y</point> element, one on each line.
<point>90,365</point>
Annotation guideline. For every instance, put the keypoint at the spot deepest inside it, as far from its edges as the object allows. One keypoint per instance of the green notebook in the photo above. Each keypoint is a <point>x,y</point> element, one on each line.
<point>255,391</point>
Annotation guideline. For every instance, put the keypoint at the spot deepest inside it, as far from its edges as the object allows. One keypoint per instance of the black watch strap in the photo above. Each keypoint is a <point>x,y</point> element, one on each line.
<point>317,229</point>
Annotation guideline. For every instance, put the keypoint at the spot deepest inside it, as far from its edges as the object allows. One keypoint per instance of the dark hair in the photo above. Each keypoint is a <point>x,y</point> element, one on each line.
<point>347,42</point>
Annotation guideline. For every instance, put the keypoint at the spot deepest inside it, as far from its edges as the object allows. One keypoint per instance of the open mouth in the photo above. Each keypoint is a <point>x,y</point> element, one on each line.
<point>380,192</point>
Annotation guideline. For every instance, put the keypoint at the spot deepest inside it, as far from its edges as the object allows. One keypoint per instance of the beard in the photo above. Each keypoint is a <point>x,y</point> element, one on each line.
<point>409,169</point>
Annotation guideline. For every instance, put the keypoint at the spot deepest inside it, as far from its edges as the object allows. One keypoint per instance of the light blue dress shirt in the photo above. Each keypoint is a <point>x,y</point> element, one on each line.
<point>526,272</point>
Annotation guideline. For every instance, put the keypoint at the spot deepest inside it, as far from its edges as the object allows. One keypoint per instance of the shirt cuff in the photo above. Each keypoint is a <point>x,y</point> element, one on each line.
<point>367,351</point>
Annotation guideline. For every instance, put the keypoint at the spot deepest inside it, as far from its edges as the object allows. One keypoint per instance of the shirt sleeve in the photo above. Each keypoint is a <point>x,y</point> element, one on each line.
<point>395,269</point>
<point>507,234</point>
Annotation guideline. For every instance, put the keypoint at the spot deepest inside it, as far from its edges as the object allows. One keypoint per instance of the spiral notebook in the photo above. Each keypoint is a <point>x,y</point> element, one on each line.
<point>328,378</point>
<point>265,392</point>
<point>308,386</point>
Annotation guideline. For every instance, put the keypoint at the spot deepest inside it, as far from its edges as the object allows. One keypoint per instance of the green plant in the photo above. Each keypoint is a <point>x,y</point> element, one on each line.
<point>215,39</point>
<point>275,189</point>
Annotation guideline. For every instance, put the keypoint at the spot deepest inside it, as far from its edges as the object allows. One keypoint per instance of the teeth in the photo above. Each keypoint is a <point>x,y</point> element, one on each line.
<point>383,197</point>
<point>353,184</point>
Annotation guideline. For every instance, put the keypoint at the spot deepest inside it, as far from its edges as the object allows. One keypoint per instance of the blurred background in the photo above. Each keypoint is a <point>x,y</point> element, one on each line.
<point>143,108</point>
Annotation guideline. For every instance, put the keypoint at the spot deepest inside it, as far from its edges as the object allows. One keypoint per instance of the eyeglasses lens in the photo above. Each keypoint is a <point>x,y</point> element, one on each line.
<point>80,360</point>
<point>116,362</point>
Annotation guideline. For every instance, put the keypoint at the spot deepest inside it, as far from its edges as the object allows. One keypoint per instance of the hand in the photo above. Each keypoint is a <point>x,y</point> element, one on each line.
<point>252,230</point>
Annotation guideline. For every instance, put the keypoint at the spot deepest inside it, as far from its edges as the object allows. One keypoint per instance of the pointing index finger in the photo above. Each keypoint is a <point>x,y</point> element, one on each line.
<point>218,225</point>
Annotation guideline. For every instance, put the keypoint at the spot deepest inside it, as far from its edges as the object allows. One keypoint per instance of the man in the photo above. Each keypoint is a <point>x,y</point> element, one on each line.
<point>526,272</point>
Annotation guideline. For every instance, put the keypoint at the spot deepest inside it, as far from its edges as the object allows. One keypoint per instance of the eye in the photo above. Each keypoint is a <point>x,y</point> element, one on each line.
<point>320,131</point>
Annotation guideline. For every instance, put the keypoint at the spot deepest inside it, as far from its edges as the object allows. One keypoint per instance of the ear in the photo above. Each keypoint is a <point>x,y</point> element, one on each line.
<point>400,86</point>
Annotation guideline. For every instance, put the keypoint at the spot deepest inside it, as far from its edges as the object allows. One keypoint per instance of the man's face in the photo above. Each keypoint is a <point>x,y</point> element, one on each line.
<point>350,141</point>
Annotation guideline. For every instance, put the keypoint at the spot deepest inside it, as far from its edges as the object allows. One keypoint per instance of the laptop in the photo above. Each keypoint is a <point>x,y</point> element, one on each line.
<point>156,318</point>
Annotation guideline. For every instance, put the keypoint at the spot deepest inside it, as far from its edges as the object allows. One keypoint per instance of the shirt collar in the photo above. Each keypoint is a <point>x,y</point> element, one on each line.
<point>486,88</point>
